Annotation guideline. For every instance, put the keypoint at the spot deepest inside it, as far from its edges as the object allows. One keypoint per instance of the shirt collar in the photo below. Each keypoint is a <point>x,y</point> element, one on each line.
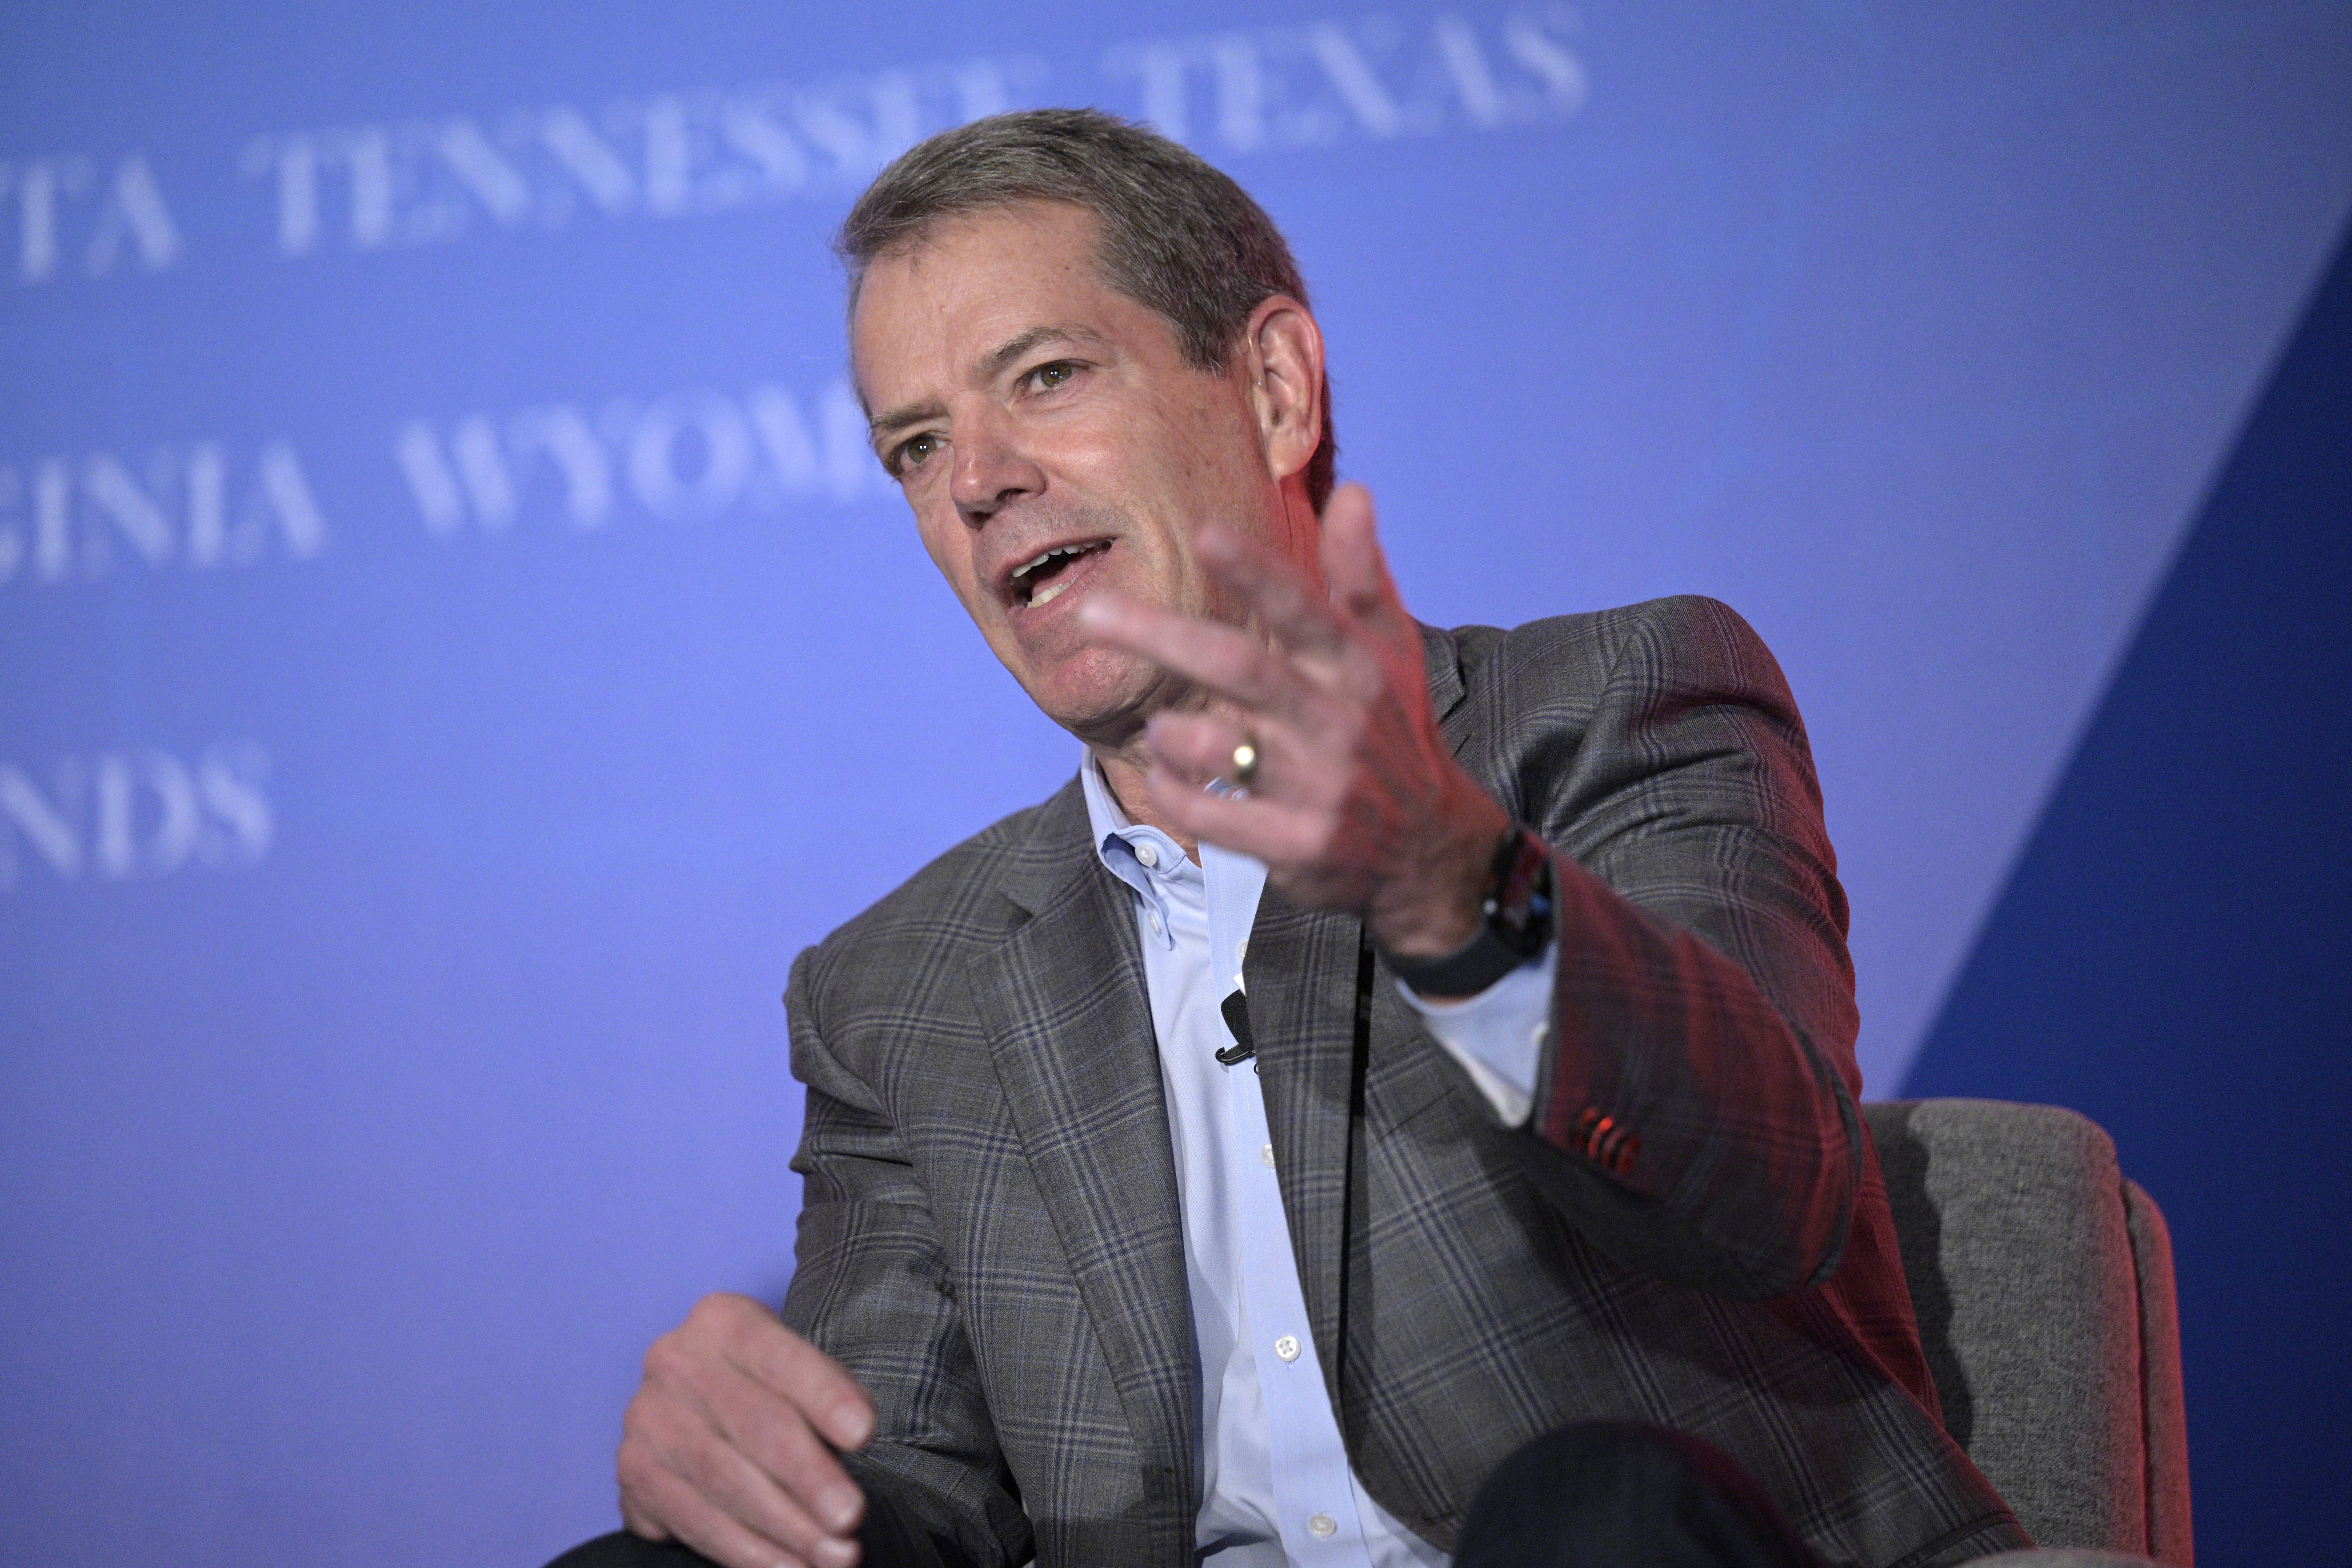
<point>1142,856</point>
<point>1119,842</point>
<point>1226,883</point>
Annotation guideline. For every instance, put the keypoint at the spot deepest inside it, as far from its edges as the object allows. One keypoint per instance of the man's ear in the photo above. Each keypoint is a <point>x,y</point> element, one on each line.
<point>1283,356</point>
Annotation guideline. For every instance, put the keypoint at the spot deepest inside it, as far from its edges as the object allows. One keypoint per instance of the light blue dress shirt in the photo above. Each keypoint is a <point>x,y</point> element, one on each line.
<point>1277,1490</point>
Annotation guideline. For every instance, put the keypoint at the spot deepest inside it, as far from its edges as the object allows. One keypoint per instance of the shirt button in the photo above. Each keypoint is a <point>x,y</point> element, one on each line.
<point>1155,922</point>
<point>1322,1526</point>
<point>1240,950</point>
<point>1265,1155</point>
<point>1147,854</point>
<point>1287,1347</point>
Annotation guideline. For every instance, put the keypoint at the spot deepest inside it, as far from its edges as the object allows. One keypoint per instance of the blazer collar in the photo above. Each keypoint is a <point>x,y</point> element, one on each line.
<point>1055,852</point>
<point>1441,658</point>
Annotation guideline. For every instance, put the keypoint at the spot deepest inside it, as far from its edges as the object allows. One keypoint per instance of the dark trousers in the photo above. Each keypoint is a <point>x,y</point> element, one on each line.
<point>1599,1494</point>
<point>1602,1494</point>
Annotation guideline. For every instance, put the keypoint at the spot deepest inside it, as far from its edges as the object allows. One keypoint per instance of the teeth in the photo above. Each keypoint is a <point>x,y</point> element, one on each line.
<point>1040,559</point>
<point>1049,591</point>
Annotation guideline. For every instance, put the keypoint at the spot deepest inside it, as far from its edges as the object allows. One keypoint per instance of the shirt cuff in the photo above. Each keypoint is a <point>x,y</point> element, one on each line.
<point>1498,1034</point>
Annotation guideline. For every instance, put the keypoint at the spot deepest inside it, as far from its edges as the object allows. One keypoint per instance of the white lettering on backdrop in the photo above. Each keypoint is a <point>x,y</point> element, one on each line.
<point>669,154</point>
<point>1281,88</point>
<point>681,458</point>
<point>441,178</point>
<point>63,211</point>
<point>696,454</point>
<point>195,505</point>
<point>136,813</point>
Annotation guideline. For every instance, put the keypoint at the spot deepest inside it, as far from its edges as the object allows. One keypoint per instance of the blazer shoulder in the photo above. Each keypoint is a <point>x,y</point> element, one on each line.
<point>1684,636</point>
<point>1587,696</point>
<point>966,897</point>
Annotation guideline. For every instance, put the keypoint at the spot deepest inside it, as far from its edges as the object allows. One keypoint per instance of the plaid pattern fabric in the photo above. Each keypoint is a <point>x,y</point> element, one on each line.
<point>989,1236</point>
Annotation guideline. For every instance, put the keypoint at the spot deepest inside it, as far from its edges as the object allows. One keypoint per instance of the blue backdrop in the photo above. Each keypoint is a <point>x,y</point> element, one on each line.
<point>458,652</point>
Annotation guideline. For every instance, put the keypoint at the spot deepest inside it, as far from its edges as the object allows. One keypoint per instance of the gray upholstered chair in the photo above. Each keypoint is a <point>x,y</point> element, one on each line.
<point>2043,1280</point>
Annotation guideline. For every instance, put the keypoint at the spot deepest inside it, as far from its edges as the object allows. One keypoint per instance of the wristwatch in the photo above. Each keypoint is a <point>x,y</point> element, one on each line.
<point>1516,899</point>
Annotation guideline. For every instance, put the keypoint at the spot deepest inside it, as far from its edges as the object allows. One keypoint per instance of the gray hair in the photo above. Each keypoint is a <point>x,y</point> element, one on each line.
<point>1176,235</point>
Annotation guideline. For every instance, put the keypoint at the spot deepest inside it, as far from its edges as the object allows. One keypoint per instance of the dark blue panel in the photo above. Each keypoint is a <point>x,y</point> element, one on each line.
<point>2172,956</point>
<point>454,650</point>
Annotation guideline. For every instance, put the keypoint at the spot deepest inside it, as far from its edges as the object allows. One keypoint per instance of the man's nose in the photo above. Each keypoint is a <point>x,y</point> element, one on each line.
<point>992,471</point>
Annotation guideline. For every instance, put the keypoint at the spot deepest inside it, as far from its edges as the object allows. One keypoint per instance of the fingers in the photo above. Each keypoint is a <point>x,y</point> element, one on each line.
<point>751,1507</point>
<point>778,1443</point>
<point>818,1385</point>
<point>1189,749</point>
<point>1198,747</point>
<point>1224,659</point>
<point>1316,628</point>
<point>679,1481</point>
<point>1353,562</point>
<point>1275,834</point>
<point>1285,601</point>
<point>663,1505</point>
<point>726,1445</point>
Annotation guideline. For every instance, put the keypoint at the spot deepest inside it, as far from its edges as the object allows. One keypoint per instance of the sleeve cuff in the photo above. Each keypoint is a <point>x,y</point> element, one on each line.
<point>1498,1034</point>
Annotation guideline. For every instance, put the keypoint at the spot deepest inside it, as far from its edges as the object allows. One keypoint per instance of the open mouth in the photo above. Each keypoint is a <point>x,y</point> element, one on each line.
<point>1043,576</point>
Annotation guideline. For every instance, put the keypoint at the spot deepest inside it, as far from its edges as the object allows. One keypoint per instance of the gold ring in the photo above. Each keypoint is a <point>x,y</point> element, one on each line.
<point>1244,762</point>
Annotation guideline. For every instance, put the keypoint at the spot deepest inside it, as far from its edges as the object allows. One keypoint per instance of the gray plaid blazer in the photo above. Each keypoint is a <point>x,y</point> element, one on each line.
<point>1693,1232</point>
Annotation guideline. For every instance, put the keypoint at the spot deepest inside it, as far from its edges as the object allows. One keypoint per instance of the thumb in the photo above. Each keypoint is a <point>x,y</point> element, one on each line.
<point>1353,563</point>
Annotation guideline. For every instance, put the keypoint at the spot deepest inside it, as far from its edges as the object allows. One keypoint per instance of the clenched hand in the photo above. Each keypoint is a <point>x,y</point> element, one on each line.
<point>728,1445</point>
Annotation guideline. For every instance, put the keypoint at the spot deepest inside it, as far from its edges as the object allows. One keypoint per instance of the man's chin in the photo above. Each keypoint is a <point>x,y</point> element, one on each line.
<point>1100,696</point>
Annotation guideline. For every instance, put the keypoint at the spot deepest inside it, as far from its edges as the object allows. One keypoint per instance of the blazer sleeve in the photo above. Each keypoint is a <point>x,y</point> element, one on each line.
<point>871,1289</point>
<point>1694,1110</point>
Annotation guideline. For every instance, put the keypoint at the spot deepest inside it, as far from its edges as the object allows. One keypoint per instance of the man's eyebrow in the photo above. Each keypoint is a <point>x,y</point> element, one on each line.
<point>1020,344</point>
<point>1003,354</point>
<point>881,425</point>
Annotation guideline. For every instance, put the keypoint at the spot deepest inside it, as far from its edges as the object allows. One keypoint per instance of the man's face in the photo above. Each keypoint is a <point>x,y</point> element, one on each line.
<point>1053,443</point>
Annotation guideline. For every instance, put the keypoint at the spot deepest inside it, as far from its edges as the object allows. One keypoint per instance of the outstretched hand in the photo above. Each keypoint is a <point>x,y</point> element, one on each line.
<point>1355,803</point>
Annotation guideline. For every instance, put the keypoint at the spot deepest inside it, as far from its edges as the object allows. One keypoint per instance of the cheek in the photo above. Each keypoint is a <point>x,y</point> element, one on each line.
<point>950,546</point>
<point>947,542</point>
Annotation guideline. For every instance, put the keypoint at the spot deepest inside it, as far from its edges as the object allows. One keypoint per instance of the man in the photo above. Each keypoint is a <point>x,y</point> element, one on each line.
<point>1400,1061</point>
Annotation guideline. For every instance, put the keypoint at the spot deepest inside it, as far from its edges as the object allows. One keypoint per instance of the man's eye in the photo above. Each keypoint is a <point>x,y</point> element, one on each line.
<point>1049,376</point>
<point>913,452</point>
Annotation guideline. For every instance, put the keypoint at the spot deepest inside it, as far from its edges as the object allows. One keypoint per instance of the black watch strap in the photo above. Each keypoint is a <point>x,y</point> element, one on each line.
<point>1517,900</point>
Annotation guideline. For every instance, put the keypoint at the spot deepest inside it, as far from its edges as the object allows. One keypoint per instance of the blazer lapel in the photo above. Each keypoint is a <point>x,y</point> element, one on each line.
<point>1301,973</point>
<point>1069,1025</point>
<point>1301,982</point>
<point>1442,662</point>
